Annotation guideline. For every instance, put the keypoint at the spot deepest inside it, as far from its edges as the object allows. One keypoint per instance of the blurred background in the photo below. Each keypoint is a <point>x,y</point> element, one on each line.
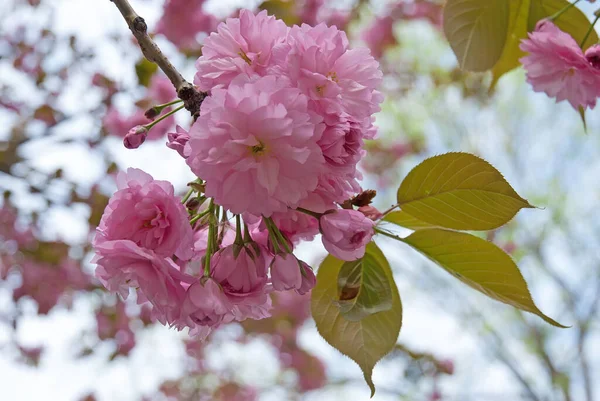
<point>73,82</point>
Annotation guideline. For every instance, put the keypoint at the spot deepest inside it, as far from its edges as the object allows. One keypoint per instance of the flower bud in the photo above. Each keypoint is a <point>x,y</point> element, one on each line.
<point>346,233</point>
<point>177,140</point>
<point>135,137</point>
<point>308,279</point>
<point>285,272</point>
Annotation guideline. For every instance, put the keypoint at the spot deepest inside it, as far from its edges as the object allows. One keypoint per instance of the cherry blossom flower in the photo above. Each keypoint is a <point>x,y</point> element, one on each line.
<point>242,273</point>
<point>255,145</point>
<point>122,264</point>
<point>146,212</point>
<point>240,45</point>
<point>557,66</point>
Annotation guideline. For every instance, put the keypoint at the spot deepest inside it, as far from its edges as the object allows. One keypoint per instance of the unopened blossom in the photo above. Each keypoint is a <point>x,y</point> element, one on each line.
<point>147,212</point>
<point>336,78</point>
<point>205,307</point>
<point>177,140</point>
<point>370,212</point>
<point>346,233</point>
<point>255,145</point>
<point>240,45</point>
<point>285,272</point>
<point>242,273</point>
<point>122,265</point>
<point>135,137</point>
<point>308,279</point>
<point>557,66</point>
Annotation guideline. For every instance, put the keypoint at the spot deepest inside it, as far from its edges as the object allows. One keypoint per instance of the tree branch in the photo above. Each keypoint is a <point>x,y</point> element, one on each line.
<point>192,98</point>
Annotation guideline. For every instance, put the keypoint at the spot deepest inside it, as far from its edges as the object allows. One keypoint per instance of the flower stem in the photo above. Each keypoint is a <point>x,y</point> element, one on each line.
<point>187,196</point>
<point>309,212</point>
<point>382,232</point>
<point>210,240</point>
<point>238,230</point>
<point>272,227</point>
<point>589,31</point>
<point>389,210</point>
<point>561,12</point>
<point>159,119</point>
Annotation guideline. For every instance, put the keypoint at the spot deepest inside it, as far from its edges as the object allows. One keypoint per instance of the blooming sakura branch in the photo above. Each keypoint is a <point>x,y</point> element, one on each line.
<point>275,149</point>
<point>284,116</point>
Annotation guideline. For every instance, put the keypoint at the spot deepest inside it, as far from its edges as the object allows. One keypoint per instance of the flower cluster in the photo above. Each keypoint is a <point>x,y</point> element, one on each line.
<point>275,147</point>
<point>557,66</point>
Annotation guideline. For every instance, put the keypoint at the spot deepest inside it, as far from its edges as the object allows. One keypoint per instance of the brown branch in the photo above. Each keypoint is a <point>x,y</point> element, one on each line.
<point>192,98</point>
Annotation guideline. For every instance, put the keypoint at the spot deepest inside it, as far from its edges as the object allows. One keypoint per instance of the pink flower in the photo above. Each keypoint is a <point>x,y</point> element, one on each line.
<point>285,272</point>
<point>379,35</point>
<point>205,307</point>
<point>135,137</point>
<point>308,279</point>
<point>182,20</point>
<point>346,233</point>
<point>337,79</point>
<point>177,140</point>
<point>240,45</point>
<point>122,265</point>
<point>146,212</point>
<point>242,273</point>
<point>255,145</point>
<point>557,66</point>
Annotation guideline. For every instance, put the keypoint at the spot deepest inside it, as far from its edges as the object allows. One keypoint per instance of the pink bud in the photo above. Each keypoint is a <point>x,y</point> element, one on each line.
<point>135,137</point>
<point>285,272</point>
<point>346,233</point>
<point>370,212</point>
<point>308,279</point>
<point>177,140</point>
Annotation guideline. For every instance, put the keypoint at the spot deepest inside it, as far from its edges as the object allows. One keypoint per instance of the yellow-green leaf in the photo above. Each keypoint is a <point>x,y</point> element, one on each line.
<point>365,341</point>
<point>573,21</point>
<point>476,30</point>
<point>363,288</point>
<point>403,219</point>
<point>517,30</point>
<point>144,70</point>
<point>285,10</point>
<point>479,264</point>
<point>459,191</point>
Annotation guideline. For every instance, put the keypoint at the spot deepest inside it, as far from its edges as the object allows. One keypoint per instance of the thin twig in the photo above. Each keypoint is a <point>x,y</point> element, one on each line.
<point>192,98</point>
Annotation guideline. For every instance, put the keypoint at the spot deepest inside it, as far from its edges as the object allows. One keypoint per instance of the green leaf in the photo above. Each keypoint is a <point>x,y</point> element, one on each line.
<point>368,340</point>
<point>476,30</point>
<point>517,30</point>
<point>573,21</point>
<point>459,191</point>
<point>403,219</point>
<point>363,288</point>
<point>144,70</point>
<point>479,264</point>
